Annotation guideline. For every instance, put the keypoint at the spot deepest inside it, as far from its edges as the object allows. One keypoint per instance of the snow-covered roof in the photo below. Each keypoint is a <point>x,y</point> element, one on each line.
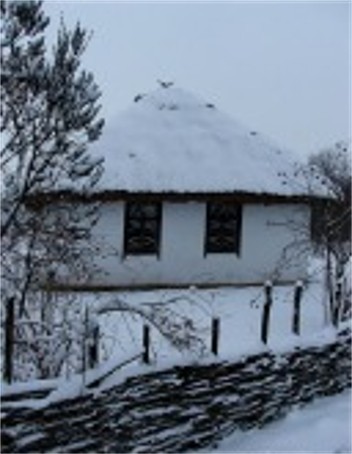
<point>172,141</point>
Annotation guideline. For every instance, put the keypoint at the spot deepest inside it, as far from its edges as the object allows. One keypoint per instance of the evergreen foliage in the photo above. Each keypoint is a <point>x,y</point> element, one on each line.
<point>50,113</point>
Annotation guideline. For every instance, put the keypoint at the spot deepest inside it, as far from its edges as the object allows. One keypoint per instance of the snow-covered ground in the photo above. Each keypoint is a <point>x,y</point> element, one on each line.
<point>239,310</point>
<point>240,313</point>
<point>322,427</point>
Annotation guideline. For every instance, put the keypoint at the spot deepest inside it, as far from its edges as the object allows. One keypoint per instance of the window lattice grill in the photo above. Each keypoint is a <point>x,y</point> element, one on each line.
<point>142,228</point>
<point>223,228</point>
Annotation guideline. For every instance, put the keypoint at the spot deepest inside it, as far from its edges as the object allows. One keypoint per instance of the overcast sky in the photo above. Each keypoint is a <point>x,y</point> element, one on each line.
<point>281,68</point>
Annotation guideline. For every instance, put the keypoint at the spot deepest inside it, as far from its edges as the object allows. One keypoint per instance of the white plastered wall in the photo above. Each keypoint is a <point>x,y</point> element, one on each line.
<point>267,233</point>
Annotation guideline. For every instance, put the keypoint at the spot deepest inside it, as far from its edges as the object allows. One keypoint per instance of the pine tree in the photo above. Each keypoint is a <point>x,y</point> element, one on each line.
<point>49,116</point>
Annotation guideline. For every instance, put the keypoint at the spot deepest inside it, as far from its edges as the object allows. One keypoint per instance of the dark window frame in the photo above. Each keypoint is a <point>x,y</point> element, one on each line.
<point>130,218</point>
<point>212,230</point>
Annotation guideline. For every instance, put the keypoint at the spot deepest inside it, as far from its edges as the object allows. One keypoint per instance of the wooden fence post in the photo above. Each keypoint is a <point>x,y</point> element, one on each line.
<point>297,308</point>
<point>337,304</point>
<point>215,333</point>
<point>268,287</point>
<point>9,340</point>
<point>93,355</point>
<point>85,346</point>
<point>146,344</point>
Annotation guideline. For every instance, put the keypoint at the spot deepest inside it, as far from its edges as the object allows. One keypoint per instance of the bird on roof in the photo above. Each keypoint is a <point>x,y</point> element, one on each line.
<point>138,97</point>
<point>165,84</point>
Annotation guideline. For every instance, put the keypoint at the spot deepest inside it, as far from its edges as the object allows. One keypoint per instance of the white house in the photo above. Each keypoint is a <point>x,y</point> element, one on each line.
<point>190,197</point>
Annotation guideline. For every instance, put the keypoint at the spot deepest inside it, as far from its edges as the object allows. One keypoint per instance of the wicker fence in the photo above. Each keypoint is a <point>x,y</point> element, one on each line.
<point>184,408</point>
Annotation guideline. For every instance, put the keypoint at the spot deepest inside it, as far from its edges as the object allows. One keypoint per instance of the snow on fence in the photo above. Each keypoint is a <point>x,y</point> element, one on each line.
<point>185,408</point>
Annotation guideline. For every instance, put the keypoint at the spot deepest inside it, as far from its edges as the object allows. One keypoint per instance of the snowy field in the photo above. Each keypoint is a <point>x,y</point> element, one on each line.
<point>239,310</point>
<point>189,312</point>
<point>322,427</point>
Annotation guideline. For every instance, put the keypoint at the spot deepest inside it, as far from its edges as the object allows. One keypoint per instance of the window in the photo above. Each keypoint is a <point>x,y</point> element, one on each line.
<point>142,228</point>
<point>223,228</point>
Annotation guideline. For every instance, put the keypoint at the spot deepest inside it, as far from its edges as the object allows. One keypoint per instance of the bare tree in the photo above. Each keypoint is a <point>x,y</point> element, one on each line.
<point>331,222</point>
<point>331,219</point>
<point>328,172</point>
